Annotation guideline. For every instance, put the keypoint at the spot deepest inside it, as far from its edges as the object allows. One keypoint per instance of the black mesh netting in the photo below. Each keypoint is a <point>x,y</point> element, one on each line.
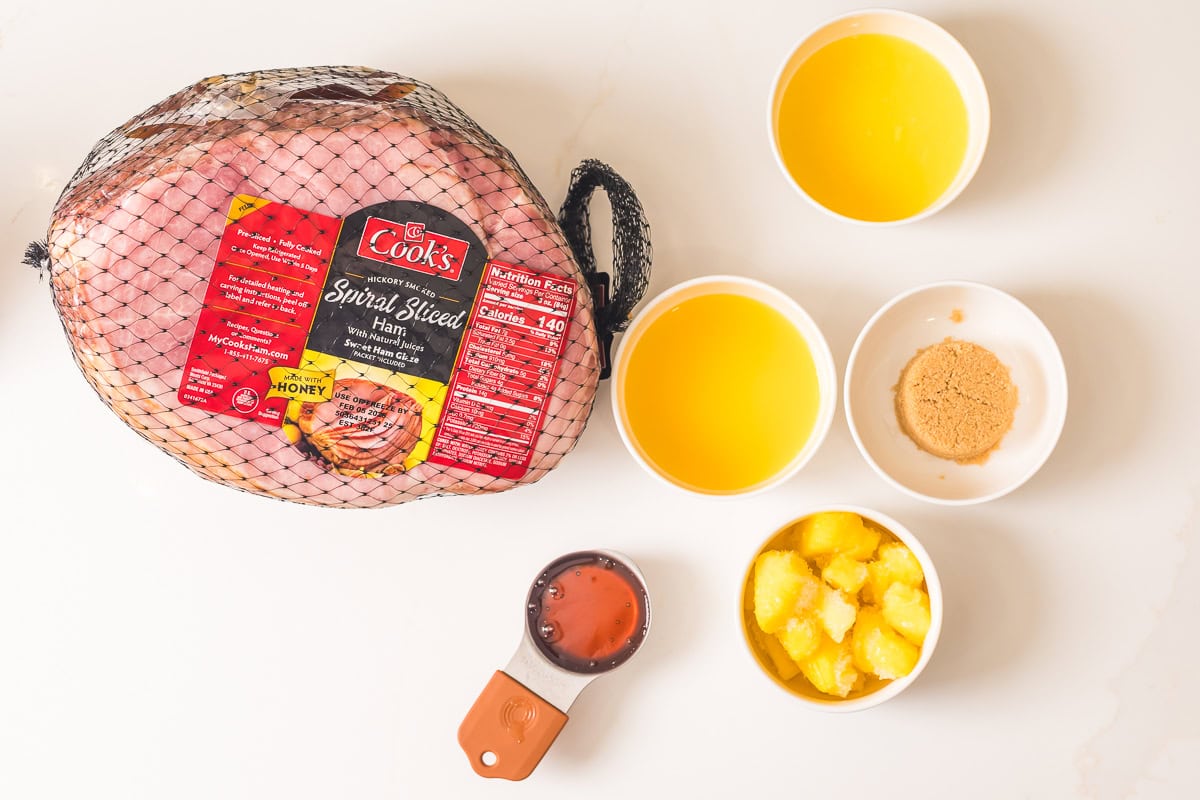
<point>136,235</point>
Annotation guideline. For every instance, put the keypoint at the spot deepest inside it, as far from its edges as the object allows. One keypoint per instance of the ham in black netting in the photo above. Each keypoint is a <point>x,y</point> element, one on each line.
<point>329,285</point>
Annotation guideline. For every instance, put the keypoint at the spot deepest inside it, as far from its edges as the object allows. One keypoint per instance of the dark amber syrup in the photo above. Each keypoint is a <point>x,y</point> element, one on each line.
<point>587,612</point>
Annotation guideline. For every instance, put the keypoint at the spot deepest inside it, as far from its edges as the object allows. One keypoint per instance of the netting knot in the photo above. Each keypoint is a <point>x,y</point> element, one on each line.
<point>37,255</point>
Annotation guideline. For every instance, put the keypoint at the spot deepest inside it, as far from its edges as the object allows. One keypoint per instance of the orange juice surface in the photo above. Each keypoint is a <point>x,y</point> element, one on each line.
<point>872,127</point>
<point>721,393</point>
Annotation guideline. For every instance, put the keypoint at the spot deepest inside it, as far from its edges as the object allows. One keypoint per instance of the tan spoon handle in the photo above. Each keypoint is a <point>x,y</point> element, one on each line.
<point>508,730</point>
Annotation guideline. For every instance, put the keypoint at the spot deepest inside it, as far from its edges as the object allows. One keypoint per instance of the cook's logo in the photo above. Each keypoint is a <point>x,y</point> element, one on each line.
<point>411,246</point>
<point>414,232</point>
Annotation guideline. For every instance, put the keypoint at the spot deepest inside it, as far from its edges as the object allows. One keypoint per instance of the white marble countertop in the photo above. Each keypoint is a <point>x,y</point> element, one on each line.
<point>163,637</point>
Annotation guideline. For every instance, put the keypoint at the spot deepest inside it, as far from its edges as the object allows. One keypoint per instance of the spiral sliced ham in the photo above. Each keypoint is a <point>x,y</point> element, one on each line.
<point>133,241</point>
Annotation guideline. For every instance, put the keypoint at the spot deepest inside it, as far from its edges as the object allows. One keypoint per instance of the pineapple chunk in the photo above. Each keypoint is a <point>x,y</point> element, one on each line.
<point>831,669</point>
<point>879,649</point>
<point>800,637</point>
<point>837,612</point>
<point>895,564</point>
<point>783,585</point>
<point>845,573</point>
<point>869,618</point>
<point>906,609</point>
<point>785,667</point>
<point>834,532</point>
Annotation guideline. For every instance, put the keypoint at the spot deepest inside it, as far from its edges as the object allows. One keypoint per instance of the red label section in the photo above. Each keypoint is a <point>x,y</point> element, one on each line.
<point>410,246</point>
<point>501,382</point>
<point>270,269</point>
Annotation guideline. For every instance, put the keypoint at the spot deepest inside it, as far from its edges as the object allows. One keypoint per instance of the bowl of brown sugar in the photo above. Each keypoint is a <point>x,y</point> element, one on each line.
<point>955,393</point>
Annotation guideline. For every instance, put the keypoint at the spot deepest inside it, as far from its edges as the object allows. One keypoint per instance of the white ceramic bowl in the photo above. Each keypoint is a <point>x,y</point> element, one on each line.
<point>933,586</point>
<point>934,40</point>
<point>729,284</point>
<point>990,318</point>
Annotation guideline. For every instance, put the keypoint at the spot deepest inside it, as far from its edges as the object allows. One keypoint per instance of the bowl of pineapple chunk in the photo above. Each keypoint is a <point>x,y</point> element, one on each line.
<point>842,608</point>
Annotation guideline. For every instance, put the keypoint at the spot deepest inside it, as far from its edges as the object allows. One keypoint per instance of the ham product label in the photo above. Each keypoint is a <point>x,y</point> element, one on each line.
<point>271,267</point>
<point>379,341</point>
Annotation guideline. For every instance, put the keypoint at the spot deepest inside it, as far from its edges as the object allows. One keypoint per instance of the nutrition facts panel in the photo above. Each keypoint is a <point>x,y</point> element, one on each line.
<point>505,371</point>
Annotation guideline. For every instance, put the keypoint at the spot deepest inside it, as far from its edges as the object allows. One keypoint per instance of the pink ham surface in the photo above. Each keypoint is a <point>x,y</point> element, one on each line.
<point>134,237</point>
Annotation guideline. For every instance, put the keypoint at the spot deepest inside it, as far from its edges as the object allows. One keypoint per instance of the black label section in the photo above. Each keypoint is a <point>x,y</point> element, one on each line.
<point>400,289</point>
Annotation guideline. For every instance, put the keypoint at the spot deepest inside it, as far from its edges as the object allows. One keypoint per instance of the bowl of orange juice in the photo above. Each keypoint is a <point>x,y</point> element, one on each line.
<point>723,386</point>
<point>879,117</point>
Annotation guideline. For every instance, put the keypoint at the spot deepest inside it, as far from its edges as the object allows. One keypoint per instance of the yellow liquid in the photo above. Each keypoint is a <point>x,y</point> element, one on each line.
<point>721,393</point>
<point>872,127</point>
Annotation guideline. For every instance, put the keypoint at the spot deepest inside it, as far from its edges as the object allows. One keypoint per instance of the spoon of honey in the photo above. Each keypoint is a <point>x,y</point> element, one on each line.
<point>587,613</point>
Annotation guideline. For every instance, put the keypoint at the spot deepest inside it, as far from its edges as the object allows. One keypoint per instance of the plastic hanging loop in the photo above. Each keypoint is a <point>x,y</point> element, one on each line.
<point>615,295</point>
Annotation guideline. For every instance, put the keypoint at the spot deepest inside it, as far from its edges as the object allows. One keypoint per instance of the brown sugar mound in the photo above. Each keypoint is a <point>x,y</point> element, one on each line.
<point>956,400</point>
